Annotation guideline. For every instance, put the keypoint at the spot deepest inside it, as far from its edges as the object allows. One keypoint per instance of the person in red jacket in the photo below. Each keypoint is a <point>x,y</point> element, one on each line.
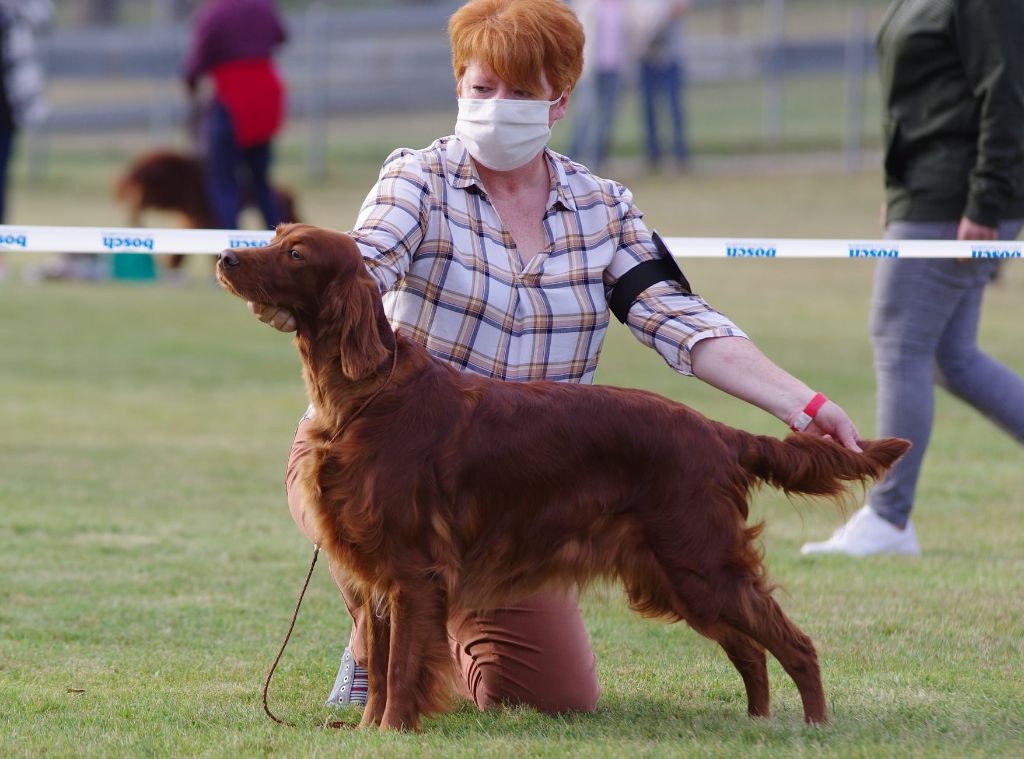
<point>232,45</point>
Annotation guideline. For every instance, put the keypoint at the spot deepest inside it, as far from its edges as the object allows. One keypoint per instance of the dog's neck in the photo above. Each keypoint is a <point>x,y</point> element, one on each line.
<point>334,394</point>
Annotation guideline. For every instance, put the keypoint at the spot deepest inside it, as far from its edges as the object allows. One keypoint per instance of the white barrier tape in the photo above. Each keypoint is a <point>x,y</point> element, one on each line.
<point>126,240</point>
<point>31,239</point>
<point>710,247</point>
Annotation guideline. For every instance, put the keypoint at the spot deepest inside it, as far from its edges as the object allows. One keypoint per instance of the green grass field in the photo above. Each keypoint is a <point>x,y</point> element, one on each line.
<point>148,565</point>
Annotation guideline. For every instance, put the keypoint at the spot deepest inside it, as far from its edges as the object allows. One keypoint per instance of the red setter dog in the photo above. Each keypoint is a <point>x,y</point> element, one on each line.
<point>436,489</point>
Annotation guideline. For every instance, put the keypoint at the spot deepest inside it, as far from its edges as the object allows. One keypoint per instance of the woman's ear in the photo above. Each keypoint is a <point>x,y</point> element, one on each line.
<point>558,110</point>
<point>362,349</point>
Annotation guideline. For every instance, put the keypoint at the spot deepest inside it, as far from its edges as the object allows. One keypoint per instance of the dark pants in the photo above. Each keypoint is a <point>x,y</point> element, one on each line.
<point>225,161</point>
<point>6,149</point>
<point>924,329</point>
<point>663,82</point>
<point>592,128</point>
<point>535,652</point>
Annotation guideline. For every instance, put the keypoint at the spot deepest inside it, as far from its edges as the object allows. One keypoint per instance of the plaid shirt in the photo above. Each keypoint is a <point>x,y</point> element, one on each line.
<point>452,278</point>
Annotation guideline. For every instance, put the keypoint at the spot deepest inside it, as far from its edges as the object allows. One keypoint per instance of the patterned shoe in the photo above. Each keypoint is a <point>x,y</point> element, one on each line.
<point>351,684</point>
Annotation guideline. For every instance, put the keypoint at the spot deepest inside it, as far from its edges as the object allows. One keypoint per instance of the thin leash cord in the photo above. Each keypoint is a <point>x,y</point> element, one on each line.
<point>316,554</point>
<point>291,627</point>
<point>266,685</point>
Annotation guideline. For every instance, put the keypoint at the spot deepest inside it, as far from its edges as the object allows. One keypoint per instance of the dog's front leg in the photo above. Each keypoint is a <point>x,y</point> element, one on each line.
<point>420,656</point>
<point>378,645</point>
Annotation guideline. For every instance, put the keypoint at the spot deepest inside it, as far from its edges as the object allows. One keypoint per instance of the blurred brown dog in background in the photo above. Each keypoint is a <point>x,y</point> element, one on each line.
<point>172,181</point>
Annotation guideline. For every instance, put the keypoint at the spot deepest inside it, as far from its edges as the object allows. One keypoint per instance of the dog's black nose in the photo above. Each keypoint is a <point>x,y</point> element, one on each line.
<point>229,259</point>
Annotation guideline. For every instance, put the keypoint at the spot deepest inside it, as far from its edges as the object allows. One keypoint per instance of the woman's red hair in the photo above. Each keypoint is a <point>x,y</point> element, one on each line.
<point>517,40</point>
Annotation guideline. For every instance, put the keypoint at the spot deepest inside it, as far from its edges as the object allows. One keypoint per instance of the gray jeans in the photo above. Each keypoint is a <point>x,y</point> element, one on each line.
<point>924,328</point>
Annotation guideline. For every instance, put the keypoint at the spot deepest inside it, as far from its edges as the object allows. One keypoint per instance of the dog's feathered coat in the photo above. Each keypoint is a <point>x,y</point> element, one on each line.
<point>451,490</point>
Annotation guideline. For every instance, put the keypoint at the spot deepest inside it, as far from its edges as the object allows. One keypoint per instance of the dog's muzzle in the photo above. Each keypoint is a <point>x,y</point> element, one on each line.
<point>229,260</point>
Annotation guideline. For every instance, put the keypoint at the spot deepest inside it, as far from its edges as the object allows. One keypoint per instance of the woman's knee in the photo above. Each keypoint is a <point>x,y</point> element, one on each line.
<point>569,692</point>
<point>535,652</point>
<point>578,695</point>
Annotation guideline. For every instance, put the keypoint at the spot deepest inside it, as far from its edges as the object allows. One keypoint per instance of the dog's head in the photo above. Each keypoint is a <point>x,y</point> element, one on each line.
<point>319,276</point>
<point>296,271</point>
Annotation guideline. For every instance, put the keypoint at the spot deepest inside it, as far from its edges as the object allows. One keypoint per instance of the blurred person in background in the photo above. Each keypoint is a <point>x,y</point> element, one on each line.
<point>232,45</point>
<point>953,89</point>
<point>607,61</point>
<point>22,105</point>
<point>506,259</point>
<point>662,75</point>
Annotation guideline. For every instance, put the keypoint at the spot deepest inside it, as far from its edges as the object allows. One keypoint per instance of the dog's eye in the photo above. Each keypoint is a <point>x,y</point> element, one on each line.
<point>294,255</point>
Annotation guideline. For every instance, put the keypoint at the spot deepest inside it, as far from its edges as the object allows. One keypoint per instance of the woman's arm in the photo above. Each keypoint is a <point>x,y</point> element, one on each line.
<point>694,338</point>
<point>736,366</point>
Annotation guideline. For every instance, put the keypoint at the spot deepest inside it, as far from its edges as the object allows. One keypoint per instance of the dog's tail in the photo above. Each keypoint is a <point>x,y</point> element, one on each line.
<point>810,465</point>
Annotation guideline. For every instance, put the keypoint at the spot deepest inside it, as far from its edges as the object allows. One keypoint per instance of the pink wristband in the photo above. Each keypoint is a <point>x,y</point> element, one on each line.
<point>803,420</point>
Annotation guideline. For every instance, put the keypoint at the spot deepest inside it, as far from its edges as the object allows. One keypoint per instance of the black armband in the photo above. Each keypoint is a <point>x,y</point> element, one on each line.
<point>643,275</point>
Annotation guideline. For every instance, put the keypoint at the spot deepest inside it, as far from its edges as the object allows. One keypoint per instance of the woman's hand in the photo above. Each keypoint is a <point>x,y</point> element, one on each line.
<point>970,230</point>
<point>279,318</point>
<point>831,421</point>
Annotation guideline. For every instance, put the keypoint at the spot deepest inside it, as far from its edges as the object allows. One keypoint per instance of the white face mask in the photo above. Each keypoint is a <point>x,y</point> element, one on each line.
<point>503,134</point>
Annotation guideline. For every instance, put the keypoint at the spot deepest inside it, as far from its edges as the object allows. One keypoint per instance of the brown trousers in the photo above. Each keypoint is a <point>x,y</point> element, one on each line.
<point>534,652</point>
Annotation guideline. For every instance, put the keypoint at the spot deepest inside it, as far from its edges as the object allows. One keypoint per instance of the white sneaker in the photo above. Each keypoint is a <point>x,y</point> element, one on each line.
<point>867,533</point>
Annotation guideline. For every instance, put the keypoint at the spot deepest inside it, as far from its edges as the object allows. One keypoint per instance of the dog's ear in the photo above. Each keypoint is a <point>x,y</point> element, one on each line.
<point>362,349</point>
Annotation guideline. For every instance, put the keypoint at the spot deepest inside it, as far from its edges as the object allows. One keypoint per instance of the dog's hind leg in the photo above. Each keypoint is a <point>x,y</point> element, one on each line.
<point>750,661</point>
<point>753,612</point>
<point>420,656</point>
<point>733,608</point>
<point>682,594</point>
<point>748,611</point>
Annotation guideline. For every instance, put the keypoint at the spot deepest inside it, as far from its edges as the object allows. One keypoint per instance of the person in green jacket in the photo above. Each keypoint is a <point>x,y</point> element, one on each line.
<point>952,76</point>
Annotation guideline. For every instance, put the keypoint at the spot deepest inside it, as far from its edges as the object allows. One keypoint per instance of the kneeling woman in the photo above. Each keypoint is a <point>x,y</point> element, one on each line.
<point>502,258</point>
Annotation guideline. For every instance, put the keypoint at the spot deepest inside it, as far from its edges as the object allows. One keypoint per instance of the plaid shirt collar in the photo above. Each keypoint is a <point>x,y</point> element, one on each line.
<point>461,174</point>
